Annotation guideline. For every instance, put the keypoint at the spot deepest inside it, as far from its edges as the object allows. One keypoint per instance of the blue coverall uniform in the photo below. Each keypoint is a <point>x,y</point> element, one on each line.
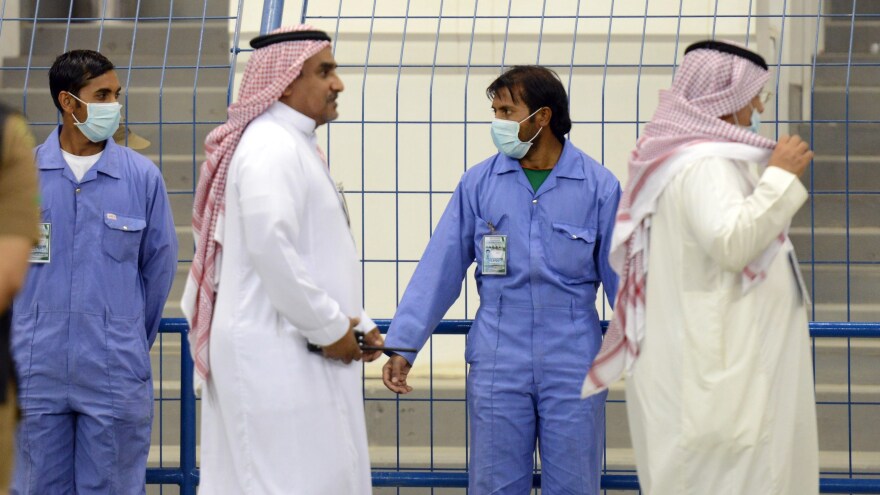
<point>84,323</point>
<point>536,330</point>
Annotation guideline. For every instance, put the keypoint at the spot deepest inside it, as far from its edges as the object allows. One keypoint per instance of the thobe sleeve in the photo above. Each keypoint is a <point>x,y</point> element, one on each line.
<point>731,227</point>
<point>158,256</point>
<point>274,194</point>
<point>366,324</point>
<point>436,283</point>
<point>607,213</point>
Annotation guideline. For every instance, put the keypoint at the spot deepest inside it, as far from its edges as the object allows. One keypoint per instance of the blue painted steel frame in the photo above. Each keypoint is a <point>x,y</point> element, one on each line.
<point>187,474</point>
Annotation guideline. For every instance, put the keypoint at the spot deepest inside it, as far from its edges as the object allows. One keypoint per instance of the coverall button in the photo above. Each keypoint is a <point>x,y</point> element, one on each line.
<point>78,190</point>
<point>125,227</point>
<point>534,201</point>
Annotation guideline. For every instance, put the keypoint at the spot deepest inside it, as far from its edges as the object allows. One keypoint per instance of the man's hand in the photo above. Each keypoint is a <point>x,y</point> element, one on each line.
<point>345,349</point>
<point>374,338</point>
<point>792,154</point>
<point>394,374</point>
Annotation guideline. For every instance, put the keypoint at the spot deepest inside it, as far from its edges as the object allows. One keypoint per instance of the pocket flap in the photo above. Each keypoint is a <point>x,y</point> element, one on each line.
<point>588,234</point>
<point>121,222</point>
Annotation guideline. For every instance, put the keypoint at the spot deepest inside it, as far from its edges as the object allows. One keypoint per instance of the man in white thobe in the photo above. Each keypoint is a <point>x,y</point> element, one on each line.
<point>711,323</point>
<point>277,418</point>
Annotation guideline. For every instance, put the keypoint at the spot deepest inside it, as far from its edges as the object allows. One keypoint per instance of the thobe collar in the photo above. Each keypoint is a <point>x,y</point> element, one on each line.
<point>569,166</point>
<point>107,164</point>
<point>293,121</point>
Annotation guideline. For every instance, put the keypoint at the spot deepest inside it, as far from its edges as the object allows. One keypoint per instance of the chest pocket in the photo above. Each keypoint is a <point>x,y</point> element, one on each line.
<point>122,236</point>
<point>570,252</point>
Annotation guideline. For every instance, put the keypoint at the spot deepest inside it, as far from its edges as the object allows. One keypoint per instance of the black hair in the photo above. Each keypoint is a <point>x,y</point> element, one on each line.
<point>71,71</point>
<point>537,87</point>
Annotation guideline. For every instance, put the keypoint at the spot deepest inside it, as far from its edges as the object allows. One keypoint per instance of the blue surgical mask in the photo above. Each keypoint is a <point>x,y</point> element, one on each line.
<point>101,122</point>
<point>505,135</point>
<point>756,121</point>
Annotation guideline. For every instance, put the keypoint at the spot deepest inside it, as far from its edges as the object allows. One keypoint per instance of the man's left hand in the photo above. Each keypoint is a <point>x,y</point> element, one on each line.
<point>373,338</point>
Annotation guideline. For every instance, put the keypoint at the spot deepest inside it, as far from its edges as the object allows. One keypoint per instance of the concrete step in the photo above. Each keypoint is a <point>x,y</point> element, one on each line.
<point>143,103</point>
<point>180,171</point>
<point>830,243</point>
<point>865,31</point>
<point>832,69</point>
<point>846,7</point>
<point>868,312</point>
<point>184,38</point>
<point>95,8</point>
<point>837,284</point>
<point>830,210</point>
<point>841,173</point>
<point>842,139</point>
<point>213,70</point>
<point>830,103</point>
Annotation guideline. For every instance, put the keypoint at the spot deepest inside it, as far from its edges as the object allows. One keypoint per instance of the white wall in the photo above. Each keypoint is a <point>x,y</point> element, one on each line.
<point>413,156</point>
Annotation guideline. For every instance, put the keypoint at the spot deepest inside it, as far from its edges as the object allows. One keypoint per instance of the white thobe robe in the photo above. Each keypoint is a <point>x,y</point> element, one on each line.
<point>721,398</point>
<point>277,419</point>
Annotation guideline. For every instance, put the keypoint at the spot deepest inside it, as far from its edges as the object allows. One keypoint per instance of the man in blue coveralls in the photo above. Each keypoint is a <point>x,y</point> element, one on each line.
<point>90,308</point>
<point>537,218</point>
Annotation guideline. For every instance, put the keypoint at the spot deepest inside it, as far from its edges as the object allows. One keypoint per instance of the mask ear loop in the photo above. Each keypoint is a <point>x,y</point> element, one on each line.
<point>536,135</point>
<point>76,120</point>
<point>527,118</point>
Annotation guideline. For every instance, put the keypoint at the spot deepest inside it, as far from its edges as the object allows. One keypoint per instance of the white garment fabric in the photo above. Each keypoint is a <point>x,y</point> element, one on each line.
<point>721,398</point>
<point>277,419</point>
<point>79,165</point>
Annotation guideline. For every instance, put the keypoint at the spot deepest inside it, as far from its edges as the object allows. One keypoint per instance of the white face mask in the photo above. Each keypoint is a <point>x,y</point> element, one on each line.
<point>754,121</point>
<point>505,135</point>
<point>101,122</point>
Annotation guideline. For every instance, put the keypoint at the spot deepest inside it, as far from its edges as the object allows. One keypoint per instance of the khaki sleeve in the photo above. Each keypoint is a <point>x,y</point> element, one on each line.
<point>19,196</point>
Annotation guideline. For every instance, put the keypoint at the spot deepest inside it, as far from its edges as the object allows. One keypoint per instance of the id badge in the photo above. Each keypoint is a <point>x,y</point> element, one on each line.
<point>495,255</point>
<point>42,252</point>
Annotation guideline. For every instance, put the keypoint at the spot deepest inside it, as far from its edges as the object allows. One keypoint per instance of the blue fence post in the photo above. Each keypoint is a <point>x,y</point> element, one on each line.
<point>187,419</point>
<point>272,10</point>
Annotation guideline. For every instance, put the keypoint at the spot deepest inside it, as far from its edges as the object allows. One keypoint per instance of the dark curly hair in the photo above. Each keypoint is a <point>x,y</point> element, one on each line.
<point>537,87</point>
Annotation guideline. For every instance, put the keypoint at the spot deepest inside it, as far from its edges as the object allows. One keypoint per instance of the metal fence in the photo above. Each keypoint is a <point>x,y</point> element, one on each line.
<point>414,117</point>
<point>186,475</point>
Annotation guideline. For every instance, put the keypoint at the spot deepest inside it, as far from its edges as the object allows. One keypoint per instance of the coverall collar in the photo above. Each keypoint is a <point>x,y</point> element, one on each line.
<point>105,165</point>
<point>565,167</point>
<point>569,166</point>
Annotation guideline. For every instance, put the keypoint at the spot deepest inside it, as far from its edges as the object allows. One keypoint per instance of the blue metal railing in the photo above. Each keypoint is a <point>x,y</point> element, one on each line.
<point>187,475</point>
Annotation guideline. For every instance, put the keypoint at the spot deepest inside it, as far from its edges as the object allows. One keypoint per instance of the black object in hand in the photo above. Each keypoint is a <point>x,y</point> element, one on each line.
<point>364,346</point>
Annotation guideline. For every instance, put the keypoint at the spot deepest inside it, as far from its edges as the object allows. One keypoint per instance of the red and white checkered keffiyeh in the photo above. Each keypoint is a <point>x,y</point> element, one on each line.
<point>269,71</point>
<point>708,84</point>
